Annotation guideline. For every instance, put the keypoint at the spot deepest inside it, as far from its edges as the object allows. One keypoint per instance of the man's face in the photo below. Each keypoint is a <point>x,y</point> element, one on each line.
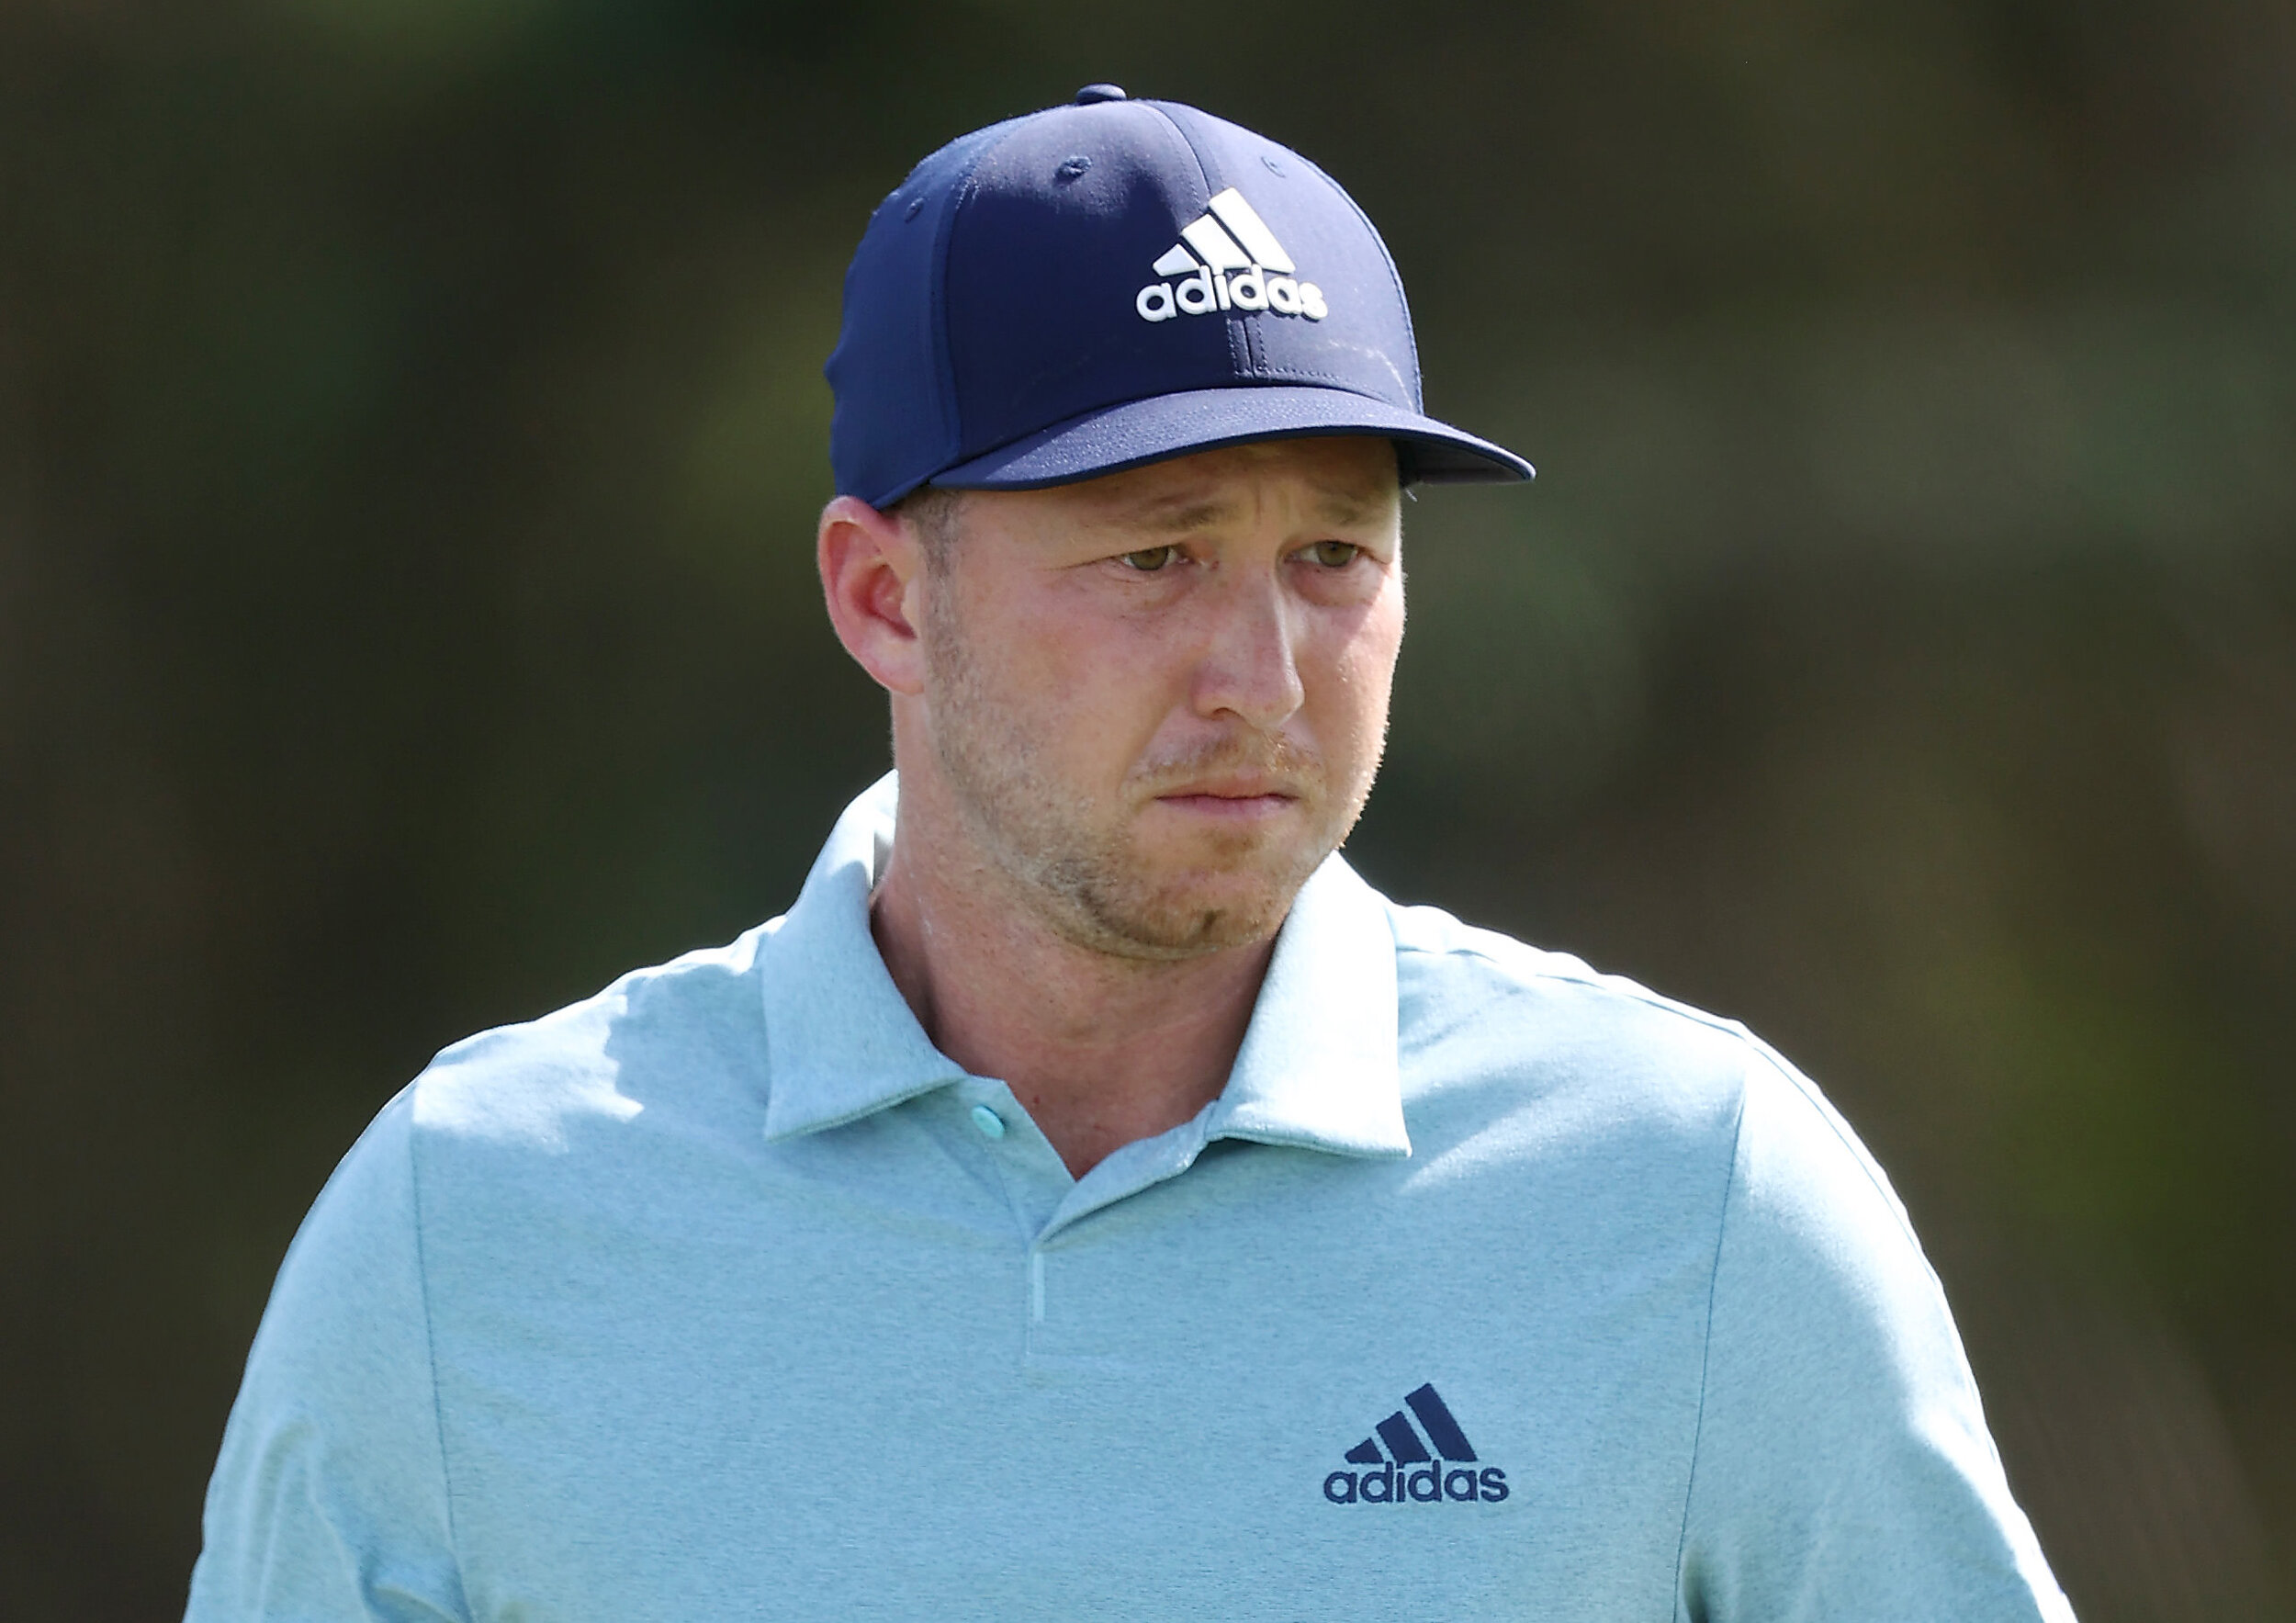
<point>1159,697</point>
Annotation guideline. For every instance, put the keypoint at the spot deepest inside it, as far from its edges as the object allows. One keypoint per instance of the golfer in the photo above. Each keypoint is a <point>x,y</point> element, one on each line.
<point>1091,1199</point>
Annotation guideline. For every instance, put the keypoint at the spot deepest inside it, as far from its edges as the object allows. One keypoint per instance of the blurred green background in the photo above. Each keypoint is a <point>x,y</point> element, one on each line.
<point>410,430</point>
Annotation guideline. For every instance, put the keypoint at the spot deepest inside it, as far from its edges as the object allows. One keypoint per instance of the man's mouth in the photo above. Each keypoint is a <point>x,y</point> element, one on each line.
<point>1243,799</point>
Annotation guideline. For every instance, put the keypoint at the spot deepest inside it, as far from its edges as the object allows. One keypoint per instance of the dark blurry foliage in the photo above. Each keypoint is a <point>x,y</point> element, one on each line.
<point>411,428</point>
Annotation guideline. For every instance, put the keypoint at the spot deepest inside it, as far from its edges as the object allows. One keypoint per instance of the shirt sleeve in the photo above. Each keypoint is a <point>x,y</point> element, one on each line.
<point>328,1500</point>
<point>1843,1468</point>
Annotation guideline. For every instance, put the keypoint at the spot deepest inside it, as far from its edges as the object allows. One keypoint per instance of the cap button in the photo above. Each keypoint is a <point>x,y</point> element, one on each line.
<point>1092,92</point>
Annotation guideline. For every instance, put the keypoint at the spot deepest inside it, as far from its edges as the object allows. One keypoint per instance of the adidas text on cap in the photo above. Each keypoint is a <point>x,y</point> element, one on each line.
<point>1113,282</point>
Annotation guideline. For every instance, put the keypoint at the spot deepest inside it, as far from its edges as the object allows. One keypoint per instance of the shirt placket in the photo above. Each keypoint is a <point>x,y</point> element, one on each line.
<point>1050,1210</point>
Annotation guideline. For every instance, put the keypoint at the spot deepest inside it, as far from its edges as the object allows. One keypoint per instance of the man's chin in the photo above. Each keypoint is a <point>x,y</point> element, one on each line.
<point>1196,912</point>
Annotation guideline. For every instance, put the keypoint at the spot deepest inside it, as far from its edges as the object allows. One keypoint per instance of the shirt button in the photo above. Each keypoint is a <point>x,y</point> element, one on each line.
<point>991,1124</point>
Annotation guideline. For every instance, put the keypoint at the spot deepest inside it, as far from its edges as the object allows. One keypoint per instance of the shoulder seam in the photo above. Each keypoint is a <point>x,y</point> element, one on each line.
<point>1814,1098</point>
<point>430,1349</point>
<point>1706,1350</point>
<point>1617,985</point>
<point>1633,991</point>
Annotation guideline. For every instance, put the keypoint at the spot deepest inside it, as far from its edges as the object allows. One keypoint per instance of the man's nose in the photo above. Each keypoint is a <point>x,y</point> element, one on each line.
<point>1249,667</point>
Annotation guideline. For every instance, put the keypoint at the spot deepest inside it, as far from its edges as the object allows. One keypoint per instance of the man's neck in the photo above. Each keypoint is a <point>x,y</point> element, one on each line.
<point>1100,1050</point>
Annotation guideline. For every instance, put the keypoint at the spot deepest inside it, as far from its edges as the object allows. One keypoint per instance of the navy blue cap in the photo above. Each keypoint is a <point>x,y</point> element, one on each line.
<point>1109,283</point>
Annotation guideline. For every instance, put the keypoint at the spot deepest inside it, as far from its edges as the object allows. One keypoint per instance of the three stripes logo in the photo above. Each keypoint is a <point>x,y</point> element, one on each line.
<point>1228,259</point>
<point>1407,1472</point>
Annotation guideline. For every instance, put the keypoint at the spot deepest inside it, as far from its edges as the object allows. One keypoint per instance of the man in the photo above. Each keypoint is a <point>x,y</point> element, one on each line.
<point>1091,1199</point>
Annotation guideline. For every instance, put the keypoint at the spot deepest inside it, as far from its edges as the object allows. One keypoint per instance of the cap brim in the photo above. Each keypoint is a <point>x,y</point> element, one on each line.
<point>1116,437</point>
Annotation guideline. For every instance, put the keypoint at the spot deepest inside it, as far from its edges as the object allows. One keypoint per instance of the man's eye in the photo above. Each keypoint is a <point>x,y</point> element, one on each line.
<point>1149,559</point>
<point>1334,555</point>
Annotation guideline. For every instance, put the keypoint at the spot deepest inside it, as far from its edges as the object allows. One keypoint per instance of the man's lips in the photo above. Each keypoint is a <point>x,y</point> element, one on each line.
<point>1232,798</point>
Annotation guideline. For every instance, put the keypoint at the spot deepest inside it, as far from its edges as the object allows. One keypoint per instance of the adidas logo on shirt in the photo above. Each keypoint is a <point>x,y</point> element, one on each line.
<point>1228,259</point>
<point>1409,1471</point>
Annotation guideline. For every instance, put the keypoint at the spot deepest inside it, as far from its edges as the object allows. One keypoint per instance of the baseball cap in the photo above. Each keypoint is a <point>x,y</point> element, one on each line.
<point>1109,283</point>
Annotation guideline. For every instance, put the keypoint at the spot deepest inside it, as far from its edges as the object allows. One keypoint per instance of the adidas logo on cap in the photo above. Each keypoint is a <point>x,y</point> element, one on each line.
<point>1408,1471</point>
<point>1235,264</point>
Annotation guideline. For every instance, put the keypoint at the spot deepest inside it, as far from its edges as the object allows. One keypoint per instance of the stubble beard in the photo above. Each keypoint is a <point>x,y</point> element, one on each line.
<point>1074,860</point>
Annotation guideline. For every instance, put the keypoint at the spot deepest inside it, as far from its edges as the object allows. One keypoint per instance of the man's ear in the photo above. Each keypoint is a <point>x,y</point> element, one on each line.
<point>871,575</point>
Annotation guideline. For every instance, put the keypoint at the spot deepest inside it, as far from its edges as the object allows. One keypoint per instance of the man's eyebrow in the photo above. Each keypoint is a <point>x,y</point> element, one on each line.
<point>1180,513</point>
<point>1176,513</point>
<point>1343,508</point>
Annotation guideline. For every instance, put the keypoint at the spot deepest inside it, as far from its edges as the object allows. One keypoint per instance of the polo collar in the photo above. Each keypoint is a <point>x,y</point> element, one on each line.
<point>840,1041</point>
<point>1317,1069</point>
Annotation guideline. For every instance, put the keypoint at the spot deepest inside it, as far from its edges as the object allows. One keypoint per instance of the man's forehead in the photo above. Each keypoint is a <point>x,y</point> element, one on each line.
<point>1347,479</point>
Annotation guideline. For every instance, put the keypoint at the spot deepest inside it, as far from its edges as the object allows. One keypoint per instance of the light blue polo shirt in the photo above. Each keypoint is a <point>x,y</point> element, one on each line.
<point>1489,1288</point>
